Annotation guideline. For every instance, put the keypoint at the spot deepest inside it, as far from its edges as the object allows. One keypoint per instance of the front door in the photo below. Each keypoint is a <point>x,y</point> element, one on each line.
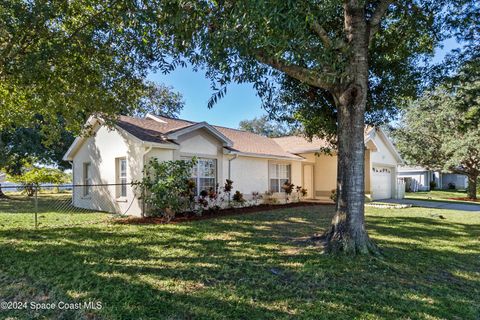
<point>308,180</point>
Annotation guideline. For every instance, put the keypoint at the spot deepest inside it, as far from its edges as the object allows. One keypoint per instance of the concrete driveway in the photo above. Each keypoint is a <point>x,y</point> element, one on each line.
<point>436,204</point>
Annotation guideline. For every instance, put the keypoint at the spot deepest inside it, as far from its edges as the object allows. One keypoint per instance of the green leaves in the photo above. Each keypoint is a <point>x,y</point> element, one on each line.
<point>37,176</point>
<point>70,59</point>
<point>441,131</point>
<point>166,185</point>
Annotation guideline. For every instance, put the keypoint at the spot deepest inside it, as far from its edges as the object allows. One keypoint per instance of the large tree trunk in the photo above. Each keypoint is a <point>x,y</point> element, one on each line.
<point>472,186</point>
<point>347,233</point>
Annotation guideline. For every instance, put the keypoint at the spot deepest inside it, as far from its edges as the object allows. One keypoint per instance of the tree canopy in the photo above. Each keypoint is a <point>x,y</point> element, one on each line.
<point>266,127</point>
<point>69,59</point>
<point>160,100</point>
<point>441,131</point>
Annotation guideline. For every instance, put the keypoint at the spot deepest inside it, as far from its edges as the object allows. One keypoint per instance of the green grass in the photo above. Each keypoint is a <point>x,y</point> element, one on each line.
<point>252,266</point>
<point>439,195</point>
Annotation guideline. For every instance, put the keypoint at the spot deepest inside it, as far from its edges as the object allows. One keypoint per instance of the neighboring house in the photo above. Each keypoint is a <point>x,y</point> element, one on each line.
<point>419,179</point>
<point>3,176</point>
<point>254,163</point>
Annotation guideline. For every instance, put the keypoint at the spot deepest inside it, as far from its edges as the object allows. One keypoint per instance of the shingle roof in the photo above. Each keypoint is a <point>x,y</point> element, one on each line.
<point>151,130</point>
<point>298,144</point>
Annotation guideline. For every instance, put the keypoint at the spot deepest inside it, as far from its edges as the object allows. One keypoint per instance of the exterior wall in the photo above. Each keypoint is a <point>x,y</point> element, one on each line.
<point>420,178</point>
<point>248,175</point>
<point>368,173</point>
<point>297,173</point>
<point>101,151</point>
<point>160,154</point>
<point>199,142</point>
<point>383,155</point>
<point>460,181</point>
<point>325,176</point>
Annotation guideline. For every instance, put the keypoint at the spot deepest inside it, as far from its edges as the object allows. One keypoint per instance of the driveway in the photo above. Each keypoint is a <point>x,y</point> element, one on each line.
<point>436,204</point>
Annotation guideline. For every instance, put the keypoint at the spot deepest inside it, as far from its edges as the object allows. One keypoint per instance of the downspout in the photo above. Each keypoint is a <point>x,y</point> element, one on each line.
<point>147,150</point>
<point>235,156</point>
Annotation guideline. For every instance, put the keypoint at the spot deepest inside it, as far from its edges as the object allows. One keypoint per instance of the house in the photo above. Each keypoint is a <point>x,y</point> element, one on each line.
<point>419,179</point>
<point>255,163</point>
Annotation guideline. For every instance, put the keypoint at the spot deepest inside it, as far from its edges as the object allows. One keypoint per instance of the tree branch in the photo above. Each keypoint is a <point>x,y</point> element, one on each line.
<point>303,74</point>
<point>376,18</point>
<point>320,31</point>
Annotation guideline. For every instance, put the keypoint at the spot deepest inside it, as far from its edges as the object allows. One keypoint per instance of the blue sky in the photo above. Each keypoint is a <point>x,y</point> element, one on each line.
<point>240,102</point>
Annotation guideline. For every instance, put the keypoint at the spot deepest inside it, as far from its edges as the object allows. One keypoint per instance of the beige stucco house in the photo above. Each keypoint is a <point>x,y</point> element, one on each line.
<point>254,163</point>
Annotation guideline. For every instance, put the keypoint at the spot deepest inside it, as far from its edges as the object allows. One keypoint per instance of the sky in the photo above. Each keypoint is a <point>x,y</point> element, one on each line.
<point>240,102</point>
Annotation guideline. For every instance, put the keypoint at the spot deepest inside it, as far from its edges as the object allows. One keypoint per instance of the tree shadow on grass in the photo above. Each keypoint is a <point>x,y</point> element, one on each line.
<point>241,267</point>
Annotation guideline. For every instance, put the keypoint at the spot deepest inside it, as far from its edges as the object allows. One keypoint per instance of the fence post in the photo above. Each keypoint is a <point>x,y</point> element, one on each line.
<point>36,206</point>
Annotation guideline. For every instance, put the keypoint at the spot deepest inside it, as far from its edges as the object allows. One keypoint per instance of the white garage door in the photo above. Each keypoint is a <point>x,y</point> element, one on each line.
<point>381,183</point>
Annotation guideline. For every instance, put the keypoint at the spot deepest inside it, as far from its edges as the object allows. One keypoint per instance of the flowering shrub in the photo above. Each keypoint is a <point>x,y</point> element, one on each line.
<point>256,197</point>
<point>288,188</point>
<point>166,186</point>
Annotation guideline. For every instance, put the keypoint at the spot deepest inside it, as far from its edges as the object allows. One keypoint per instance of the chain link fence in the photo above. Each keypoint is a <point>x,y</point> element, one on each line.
<point>53,205</point>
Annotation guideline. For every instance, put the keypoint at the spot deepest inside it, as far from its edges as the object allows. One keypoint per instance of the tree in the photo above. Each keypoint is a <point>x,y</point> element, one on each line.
<point>33,177</point>
<point>159,99</point>
<point>344,52</point>
<point>441,131</point>
<point>266,127</point>
<point>22,146</point>
<point>70,59</point>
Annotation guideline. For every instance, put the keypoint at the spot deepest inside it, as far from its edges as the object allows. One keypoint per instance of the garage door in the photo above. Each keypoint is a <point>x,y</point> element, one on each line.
<point>381,183</point>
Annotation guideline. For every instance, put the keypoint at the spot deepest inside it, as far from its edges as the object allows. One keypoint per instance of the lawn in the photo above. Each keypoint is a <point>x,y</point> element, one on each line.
<point>439,195</point>
<point>252,266</point>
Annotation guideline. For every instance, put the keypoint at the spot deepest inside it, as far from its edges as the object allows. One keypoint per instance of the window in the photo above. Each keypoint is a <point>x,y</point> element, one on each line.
<point>204,174</point>
<point>122,177</point>
<point>87,178</point>
<point>279,174</point>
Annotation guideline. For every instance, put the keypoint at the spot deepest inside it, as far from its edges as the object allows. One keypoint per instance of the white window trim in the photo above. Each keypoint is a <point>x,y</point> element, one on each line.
<point>120,184</point>
<point>197,178</point>
<point>270,177</point>
<point>87,179</point>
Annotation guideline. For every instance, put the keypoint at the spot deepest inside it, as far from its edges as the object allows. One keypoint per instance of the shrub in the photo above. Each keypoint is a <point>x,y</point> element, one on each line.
<point>268,198</point>
<point>167,187</point>
<point>228,186</point>
<point>452,186</point>
<point>301,192</point>
<point>433,185</point>
<point>288,188</point>
<point>256,196</point>
<point>238,197</point>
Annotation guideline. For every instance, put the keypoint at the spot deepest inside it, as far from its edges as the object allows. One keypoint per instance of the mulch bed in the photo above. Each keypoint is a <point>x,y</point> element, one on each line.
<point>210,214</point>
<point>465,199</point>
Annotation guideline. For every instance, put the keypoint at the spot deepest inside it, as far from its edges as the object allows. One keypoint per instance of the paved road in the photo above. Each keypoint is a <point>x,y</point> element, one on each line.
<point>436,204</point>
